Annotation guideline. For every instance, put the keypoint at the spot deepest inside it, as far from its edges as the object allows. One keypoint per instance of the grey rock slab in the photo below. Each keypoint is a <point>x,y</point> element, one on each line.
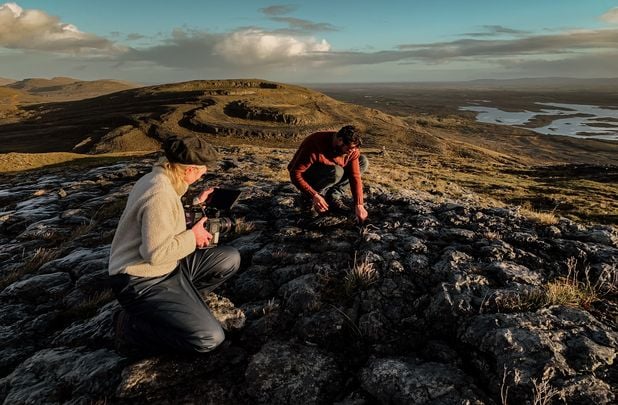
<point>285,373</point>
<point>247,244</point>
<point>285,274</point>
<point>323,328</point>
<point>63,375</point>
<point>507,272</point>
<point>45,229</point>
<point>406,382</point>
<point>301,295</point>
<point>80,261</point>
<point>89,332</point>
<point>254,284</point>
<point>458,234</point>
<point>570,341</point>
<point>39,288</point>
<point>414,245</point>
<point>587,390</point>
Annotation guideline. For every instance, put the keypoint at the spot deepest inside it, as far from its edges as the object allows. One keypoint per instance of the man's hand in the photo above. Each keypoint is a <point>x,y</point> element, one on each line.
<point>203,197</point>
<point>319,203</point>
<point>361,213</point>
<point>202,236</point>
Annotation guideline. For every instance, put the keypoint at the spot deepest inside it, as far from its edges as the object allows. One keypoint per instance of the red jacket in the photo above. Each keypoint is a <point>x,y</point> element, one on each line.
<point>318,148</point>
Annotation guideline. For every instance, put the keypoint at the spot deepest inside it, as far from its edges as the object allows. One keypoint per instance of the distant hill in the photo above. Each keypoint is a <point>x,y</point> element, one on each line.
<point>65,88</point>
<point>546,83</point>
<point>248,110</point>
<point>38,83</point>
<point>528,84</point>
<point>4,81</point>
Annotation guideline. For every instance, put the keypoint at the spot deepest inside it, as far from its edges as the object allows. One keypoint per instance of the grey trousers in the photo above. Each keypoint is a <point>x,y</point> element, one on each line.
<point>167,313</point>
<point>331,179</point>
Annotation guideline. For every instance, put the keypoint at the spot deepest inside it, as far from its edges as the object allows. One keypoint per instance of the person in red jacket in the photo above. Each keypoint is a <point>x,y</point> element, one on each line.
<point>325,163</point>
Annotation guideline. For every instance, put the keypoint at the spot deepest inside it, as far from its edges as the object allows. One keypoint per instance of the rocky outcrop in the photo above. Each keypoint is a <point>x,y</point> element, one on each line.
<point>284,114</point>
<point>434,301</point>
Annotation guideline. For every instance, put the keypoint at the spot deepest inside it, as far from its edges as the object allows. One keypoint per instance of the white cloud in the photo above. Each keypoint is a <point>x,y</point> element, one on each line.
<point>568,42</point>
<point>254,46</point>
<point>247,52</point>
<point>36,30</point>
<point>611,16</point>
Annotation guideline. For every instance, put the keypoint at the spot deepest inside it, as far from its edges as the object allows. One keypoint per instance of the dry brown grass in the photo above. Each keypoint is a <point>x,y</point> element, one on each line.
<point>40,257</point>
<point>571,291</point>
<point>87,308</point>
<point>517,301</point>
<point>545,218</point>
<point>96,301</point>
<point>543,392</point>
<point>242,226</point>
<point>575,290</point>
<point>543,196</point>
<point>112,209</point>
<point>360,275</point>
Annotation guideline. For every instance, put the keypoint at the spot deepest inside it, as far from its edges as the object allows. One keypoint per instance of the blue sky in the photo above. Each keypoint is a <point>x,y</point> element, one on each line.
<point>300,42</point>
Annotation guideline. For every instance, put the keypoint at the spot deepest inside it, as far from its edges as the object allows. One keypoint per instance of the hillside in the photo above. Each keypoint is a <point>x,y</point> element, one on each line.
<point>429,150</point>
<point>16,94</point>
<point>4,81</point>
<point>435,301</point>
<point>487,272</point>
<point>242,110</point>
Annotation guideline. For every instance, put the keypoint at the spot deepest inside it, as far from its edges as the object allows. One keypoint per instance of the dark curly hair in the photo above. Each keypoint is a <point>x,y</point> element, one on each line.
<point>350,135</point>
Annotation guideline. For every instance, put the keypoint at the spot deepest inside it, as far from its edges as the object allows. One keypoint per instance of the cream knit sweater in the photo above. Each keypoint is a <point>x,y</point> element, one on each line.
<point>151,236</point>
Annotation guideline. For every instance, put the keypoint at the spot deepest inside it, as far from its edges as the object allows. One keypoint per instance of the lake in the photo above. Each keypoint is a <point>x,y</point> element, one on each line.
<point>575,120</point>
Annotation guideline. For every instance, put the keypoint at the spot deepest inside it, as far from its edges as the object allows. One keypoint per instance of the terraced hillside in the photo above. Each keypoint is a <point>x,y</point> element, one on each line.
<point>137,119</point>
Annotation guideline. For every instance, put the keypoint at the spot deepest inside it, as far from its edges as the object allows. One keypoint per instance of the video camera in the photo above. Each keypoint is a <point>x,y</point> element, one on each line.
<point>219,202</point>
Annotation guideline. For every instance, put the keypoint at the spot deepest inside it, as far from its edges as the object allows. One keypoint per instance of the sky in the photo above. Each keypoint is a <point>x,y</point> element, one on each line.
<point>335,41</point>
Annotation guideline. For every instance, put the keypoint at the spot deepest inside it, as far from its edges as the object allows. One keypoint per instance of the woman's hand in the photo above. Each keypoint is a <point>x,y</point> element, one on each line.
<point>203,196</point>
<point>202,236</point>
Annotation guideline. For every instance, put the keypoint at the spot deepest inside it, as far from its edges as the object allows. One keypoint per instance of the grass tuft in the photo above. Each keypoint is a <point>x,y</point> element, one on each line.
<point>242,227</point>
<point>572,292</point>
<point>270,307</point>
<point>361,275</point>
<point>112,209</point>
<point>545,218</point>
<point>40,257</point>
<point>542,391</point>
<point>88,307</point>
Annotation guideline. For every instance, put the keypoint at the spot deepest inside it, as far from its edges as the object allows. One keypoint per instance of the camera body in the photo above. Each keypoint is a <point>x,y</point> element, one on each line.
<point>216,224</point>
<point>220,201</point>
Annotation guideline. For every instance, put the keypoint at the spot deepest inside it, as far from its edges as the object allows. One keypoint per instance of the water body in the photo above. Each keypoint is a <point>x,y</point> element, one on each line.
<point>580,120</point>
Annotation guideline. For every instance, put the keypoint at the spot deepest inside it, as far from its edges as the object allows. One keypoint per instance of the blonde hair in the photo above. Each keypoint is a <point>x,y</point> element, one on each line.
<point>176,174</point>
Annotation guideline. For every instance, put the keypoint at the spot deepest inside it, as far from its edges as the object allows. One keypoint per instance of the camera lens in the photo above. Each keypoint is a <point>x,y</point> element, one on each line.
<point>226,225</point>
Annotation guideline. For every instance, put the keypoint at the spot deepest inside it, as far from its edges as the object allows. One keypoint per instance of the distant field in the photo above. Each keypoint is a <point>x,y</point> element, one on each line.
<point>409,100</point>
<point>438,111</point>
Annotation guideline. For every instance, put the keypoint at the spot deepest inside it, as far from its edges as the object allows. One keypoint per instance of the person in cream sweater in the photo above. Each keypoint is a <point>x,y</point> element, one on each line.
<point>158,269</point>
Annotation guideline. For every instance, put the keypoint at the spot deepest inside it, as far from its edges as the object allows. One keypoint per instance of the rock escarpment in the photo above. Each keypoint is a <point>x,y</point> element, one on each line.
<point>434,301</point>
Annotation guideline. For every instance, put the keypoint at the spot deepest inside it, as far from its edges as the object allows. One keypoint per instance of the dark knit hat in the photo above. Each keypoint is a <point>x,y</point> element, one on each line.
<point>190,150</point>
